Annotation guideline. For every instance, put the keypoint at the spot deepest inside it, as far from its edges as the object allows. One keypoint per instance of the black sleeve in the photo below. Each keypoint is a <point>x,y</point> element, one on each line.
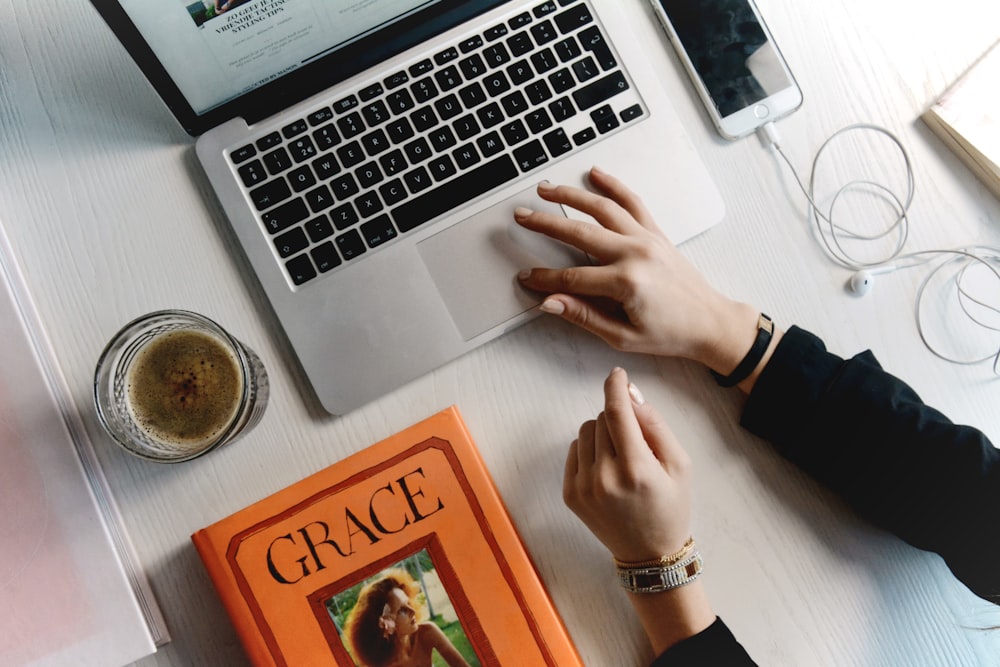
<point>715,646</point>
<point>899,463</point>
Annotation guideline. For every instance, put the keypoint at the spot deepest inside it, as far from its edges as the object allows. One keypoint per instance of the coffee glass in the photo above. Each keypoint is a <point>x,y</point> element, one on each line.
<point>172,385</point>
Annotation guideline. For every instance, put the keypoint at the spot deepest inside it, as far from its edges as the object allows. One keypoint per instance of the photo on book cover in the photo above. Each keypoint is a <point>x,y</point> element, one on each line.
<point>416,598</point>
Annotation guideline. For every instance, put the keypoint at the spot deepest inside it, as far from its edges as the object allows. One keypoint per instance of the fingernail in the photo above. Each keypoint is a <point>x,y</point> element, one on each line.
<point>524,274</point>
<point>546,185</point>
<point>552,307</point>
<point>597,170</point>
<point>522,212</point>
<point>636,395</point>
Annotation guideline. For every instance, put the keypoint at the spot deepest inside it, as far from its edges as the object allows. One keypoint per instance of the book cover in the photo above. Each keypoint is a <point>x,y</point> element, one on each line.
<point>967,118</point>
<point>405,546</point>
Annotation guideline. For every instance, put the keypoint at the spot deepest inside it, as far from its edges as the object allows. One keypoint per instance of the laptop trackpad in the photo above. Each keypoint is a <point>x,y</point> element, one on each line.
<point>475,262</point>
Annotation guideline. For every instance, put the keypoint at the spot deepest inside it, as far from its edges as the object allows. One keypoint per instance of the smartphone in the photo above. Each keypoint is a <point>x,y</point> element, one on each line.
<point>731,57</point>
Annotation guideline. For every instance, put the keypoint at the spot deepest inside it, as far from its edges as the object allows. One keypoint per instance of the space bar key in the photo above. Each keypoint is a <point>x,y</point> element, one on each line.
<point>453,194</point>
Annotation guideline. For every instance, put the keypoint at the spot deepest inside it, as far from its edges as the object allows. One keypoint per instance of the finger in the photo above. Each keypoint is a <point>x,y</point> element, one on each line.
<point>585,446</point>
<point>604,446</point>
<point>603,209</point>
<point>624,197</point>
<point>620,415</point>
<point>592,281</point>
<point>662,441</point>
<point>596,241</point>
<point>615,331</point>
<point>570,471</point>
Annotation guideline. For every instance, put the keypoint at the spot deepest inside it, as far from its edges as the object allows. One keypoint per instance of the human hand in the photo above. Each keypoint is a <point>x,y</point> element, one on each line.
<point>628,478</point>
<point>642,295</point>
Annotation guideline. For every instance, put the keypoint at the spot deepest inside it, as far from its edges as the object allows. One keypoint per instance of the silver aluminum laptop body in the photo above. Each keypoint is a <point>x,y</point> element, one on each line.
<point>422,298</point>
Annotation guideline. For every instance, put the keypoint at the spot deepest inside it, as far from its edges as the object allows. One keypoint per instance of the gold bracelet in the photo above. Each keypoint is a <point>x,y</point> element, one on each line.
<point>662,561</point>
<point>658,579</point>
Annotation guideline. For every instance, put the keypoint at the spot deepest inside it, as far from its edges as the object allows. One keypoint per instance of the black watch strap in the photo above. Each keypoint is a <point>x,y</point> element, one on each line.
<point>765,328</point>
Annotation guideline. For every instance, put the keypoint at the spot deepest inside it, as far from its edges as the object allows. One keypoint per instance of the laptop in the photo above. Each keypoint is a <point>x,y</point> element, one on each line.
<point>369,155</point>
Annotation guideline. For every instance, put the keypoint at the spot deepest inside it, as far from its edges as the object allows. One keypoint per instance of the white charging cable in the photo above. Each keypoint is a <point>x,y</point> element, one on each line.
<point>830,234</point>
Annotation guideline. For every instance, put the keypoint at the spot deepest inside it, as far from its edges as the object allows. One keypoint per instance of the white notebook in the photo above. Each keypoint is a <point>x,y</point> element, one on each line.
<point>71,589</point>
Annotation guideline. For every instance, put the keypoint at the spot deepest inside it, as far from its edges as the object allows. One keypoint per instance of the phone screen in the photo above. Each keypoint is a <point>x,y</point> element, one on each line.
<point>730,50</point>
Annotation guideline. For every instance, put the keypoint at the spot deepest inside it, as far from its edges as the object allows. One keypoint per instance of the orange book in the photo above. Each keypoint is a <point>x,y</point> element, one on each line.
<point>405,546</point>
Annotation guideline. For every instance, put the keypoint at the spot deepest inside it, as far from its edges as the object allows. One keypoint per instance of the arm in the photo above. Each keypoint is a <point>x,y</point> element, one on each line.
<point>903,465</point>
<point>440,642</point>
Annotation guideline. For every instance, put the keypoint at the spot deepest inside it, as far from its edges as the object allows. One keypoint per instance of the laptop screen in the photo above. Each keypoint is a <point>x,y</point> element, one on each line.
<point>212,60</point>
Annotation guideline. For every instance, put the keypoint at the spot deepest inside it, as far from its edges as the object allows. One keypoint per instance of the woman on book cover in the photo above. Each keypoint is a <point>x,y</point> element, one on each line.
<point>386,628</point>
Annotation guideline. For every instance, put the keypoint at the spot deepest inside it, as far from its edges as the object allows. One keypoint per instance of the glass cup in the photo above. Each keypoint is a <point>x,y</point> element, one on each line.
<point>173,385</point>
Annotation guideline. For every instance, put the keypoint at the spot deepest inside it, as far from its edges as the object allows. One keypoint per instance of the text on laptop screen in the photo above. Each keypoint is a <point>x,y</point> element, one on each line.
<point>216,50</point>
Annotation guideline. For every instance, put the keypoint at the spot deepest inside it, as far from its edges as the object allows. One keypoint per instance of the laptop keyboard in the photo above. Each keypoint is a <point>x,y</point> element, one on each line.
<point>399,152</point>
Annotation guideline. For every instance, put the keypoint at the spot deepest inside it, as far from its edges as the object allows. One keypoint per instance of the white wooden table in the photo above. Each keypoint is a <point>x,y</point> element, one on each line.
<point>103,201</point>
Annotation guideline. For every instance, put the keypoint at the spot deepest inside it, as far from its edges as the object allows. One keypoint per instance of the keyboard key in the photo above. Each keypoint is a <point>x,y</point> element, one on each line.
<point>544,32</point>
<point>473,66</point>
<point>302,149</point>
<point>301,178</point>
<point>400,101</point>
<point>454,194</point>
<point>378,231</point>
<point>446,56</point>
<point>557,142</point>
<point>270,194</point>
<point>326,137</point>
<point>514,132</point>
<point>399,130</point>
<point>585,69</point>
<point>291,242</point>
<point>448,78</point>
<point>561,109</point>
<point>490,115</point>
<point>424,90</point>
<point>514,104</point>
<point>325,166</point>
<point>496,55</point>
<point>538,92</point>
<point>326,257</point>
<point>350,154</point>
<point>471,44</point>
<point>530,155</point>
<point>424,119</point>
<point>490,144</point>
<point>466,127</point>
<point>319,199</point>
<point>393,163</point>
<point>466,156</point>
<point>417,180</point>
<point>242,154</point>
<point>395,80</point>
<point>320,116</point>
<point>520,72</point>
<point>520,44</point>
<point>495,33</point>
<point>300,269</point>
<point>472,95</point>
<point>294,129</point>
<point>370,92</point>
<point>368,204</point>
<point>442,138</point>
<point>392,192</point>
<point>375,142</point>
<point>543,9</point>
<point>538,121</point>
<point>630,114</point>
<point>544,60</point>
<point>368,175</point>
<point>441,167</point>
<point>567,49</point>
<point>448,107</point>
<point>519,21</point>
<point>420,68</point>
<point>574,18</point>
<point>496,84</point>
<point>285,216</point>
<point>375,113</point>
<point>344,187</point>
<point>603,89</point>
<point>319,229</point>
<point>268,141</point>
<point>344,216</point>
<point>346,104</point>
<point>583,136</point>
<point>561,81</point>
<point>417,150</point>
<point>252,173</point>
<point>604,119</point>
<point>592,40</point>
<point>277,161</point>
<point>351,125</point>
<point>350,244</point>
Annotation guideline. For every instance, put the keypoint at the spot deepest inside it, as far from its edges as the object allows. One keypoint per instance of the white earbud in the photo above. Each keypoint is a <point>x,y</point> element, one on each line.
<point>861,281</point>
